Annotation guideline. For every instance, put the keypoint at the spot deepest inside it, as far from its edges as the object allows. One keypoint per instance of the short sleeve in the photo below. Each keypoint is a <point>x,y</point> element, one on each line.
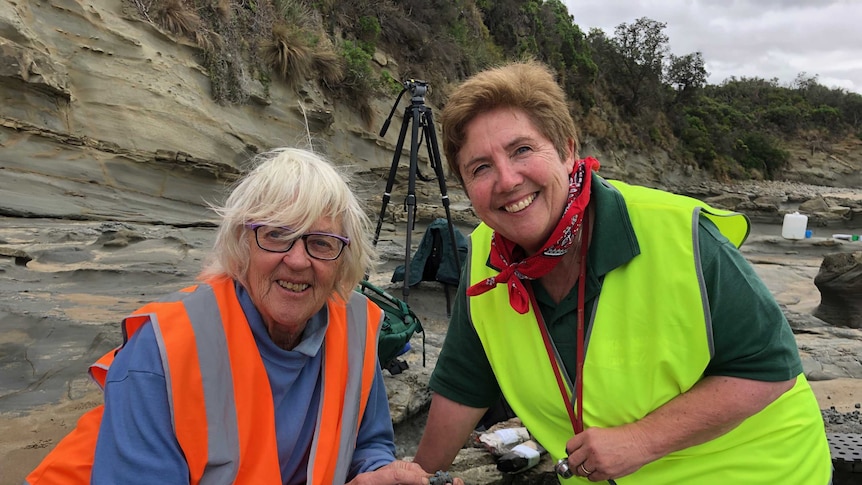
<point>751,335</point>
<point>463,372</point>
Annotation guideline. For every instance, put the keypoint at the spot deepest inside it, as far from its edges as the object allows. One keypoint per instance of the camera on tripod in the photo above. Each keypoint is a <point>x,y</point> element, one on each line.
<point>422,128</point>
<point>417,89</point>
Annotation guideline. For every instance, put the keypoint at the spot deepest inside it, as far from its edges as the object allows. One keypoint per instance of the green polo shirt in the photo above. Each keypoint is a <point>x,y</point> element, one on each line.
<point>751,335</point>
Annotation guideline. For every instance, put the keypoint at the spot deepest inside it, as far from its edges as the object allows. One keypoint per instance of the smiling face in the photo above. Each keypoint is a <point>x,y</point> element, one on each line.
<point>514,176</point>
<point>288,288</point>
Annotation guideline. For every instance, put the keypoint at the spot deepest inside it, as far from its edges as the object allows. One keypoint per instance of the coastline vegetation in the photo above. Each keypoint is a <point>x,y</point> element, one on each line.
<point>628,90</point>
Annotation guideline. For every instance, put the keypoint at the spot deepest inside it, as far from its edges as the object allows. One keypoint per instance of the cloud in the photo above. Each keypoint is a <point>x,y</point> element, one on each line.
<point>755,38</point>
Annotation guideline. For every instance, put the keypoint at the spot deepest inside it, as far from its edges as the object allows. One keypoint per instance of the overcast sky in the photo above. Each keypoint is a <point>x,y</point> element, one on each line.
<point>749,38</point>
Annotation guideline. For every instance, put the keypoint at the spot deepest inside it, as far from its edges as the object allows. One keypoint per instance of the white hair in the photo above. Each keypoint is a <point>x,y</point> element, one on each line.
<point>296,188</point>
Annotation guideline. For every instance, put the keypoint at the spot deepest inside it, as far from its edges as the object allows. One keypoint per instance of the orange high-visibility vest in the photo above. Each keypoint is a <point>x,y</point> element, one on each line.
<point>233,439</point>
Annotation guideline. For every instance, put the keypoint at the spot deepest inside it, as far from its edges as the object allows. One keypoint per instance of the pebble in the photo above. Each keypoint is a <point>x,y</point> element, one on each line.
<point>850,422</point>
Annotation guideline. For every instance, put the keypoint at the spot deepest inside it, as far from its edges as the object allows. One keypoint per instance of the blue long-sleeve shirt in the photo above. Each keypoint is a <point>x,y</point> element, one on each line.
<point>137,444</point>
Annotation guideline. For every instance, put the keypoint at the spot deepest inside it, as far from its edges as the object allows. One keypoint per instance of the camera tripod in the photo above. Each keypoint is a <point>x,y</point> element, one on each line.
<point>422,117</point>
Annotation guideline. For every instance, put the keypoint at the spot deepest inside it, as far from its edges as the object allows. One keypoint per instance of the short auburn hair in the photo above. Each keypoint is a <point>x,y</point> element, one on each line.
<point>526,85</point>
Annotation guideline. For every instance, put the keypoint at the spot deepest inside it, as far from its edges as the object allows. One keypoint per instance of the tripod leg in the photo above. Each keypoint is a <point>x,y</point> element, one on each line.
<point>410,202</point>
<point>434,155</point>
<point>387,194</point>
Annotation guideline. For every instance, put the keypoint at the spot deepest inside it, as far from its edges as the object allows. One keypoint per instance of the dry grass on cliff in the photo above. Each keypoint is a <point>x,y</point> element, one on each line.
<point>178,18</point>
<point>288,55</point>
<point>295,58</point>
<point>246,45</point>
<point>243,42</point>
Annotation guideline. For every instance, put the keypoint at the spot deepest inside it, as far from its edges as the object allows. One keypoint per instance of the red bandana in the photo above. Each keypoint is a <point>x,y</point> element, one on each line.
<point>509,256</point>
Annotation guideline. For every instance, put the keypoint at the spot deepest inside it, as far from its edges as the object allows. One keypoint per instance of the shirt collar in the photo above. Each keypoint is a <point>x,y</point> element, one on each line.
<point>614,242</point>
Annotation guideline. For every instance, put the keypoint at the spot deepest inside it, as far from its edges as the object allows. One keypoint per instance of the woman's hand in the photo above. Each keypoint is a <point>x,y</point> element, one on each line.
<point>601,454</point>
<point>397,473</point>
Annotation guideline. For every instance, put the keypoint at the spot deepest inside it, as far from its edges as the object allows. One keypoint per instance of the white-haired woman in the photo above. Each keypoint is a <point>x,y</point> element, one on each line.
<point>266,370</point>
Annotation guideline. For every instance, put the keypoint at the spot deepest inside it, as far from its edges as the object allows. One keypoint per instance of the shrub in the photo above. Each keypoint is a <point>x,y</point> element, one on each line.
<point>827,117</point>
<point>758,152</point>
<point>786,117</point>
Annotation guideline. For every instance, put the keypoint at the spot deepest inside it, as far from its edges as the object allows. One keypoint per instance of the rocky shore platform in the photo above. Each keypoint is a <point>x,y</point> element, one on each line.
<point>68,281</point>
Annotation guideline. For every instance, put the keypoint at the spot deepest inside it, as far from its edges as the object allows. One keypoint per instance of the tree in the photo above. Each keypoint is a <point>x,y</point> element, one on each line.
<point>562,45</point>
<point>686,74</point>
<point>634,68</point>
<point>852,111</point>
<point>509,23</point>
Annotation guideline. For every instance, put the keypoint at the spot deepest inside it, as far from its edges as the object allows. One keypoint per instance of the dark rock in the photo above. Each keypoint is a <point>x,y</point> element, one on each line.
<point>840,283</point>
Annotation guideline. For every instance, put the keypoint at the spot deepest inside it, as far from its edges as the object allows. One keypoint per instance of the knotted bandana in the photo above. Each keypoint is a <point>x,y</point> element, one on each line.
<point>510,257</point>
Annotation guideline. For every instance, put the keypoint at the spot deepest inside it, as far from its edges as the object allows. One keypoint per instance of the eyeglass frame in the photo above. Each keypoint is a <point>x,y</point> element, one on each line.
<point>344,239</point>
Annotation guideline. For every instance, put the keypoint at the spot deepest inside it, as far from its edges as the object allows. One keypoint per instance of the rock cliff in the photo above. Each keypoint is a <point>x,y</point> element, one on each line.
<point>118,115</point>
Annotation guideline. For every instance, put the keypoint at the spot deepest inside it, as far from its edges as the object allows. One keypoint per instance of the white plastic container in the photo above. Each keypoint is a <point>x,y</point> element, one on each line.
<point>794,226</point>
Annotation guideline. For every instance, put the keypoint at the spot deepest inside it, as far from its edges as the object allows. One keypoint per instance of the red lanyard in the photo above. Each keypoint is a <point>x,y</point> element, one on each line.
<point>562,378</point>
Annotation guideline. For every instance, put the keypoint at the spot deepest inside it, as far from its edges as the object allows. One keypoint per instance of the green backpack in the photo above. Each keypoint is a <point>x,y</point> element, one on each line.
<point>399,325</point>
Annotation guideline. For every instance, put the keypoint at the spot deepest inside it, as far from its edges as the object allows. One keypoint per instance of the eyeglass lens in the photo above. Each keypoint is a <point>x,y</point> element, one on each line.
<point>280,240</point>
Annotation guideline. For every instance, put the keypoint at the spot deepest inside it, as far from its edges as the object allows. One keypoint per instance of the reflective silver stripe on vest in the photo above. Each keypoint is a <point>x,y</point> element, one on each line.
<point>357,323</point>
<point>213,356</point>
<point>469,272</point>
<point>698,266</point>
